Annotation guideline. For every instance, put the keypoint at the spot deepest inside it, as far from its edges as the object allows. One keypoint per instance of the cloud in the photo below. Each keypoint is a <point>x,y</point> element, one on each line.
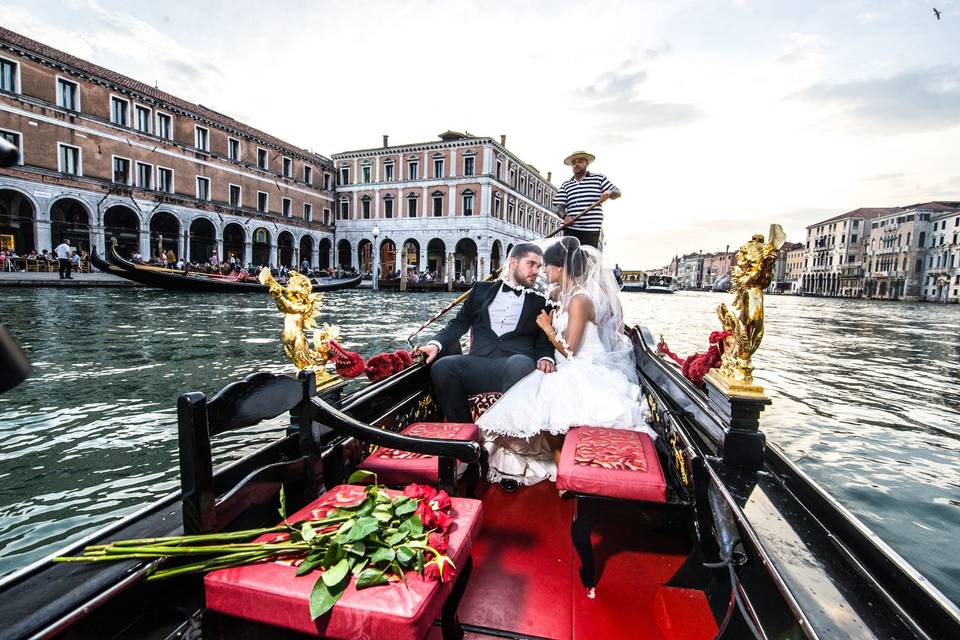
<point>916,100</point>
<point>801,47</point>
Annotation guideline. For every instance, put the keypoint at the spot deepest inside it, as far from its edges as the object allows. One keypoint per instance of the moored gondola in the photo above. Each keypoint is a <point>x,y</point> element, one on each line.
<point>201,283</point>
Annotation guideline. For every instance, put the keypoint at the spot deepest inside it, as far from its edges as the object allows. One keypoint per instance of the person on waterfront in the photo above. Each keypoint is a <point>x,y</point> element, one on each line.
<point>75,261</point>
<point>595,381</point>
<point>577,195</point>
<point>506,343</point>
<point>618,274</point>
<point>63,257</point>
<point>214,260</point>
<point>305,266</point>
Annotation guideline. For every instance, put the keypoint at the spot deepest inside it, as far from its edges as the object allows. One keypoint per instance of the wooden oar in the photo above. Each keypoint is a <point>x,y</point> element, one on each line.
<point>494,275</point>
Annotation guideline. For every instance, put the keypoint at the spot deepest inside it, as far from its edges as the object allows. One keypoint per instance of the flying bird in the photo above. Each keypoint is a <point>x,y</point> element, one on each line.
<point>936,13</point>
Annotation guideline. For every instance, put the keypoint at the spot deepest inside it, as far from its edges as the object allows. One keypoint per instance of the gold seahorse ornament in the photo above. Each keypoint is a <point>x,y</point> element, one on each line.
<point>749,277</point>
<point>300,307</point>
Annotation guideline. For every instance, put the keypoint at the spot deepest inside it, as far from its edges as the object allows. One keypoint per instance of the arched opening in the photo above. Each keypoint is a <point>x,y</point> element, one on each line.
<point>164,234</point>
<point>16,224</point>
<point>306,251</point>
<point>344,255</point>
<point>509,249</point>
<point>121,223</point>
<point>71,220</point>
<point>437,258</point>
<point>234,237</point>
<point>388,259</point>
<point>365,254</point>
<point>465,260</point>
<point>410,255</point>
<point>261,248</point>
<point>324,253</point>
<point>203,240</point>
<point>495,256</point>
<point>285,249</point>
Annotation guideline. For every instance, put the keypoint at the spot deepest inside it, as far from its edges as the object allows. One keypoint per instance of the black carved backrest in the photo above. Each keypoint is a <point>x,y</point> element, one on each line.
<point>256,398</point>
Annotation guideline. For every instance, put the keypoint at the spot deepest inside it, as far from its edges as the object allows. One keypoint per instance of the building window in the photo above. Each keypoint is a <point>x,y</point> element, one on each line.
<point>233,149</point>
<point>388,207</point>
<point>365,173</point>
<point>203,188</point>
<point>285,207</point>
<point>468,163</point>
<point>468,202</point>
<point>13,138</point>
<point>119,111</point>
<point>344,175</point>
<point>413,170</point>
<point>236,196</point>
<point>70,160</point>
<point>438,167</point>
<point>326,181</point>
<point>437,197</point>
<point>326,216</point>
<point>164,180</point>
<point>262,161</point>
<point>498,169</point>
<point>344,212</point>
<point>365,207</point>
<point>164,126</point>
<point>308,174</point>
<point>497,206</point>
<point>9,76</point>
<point>202,138</point>
<point>68,95</point>
<point>144,176</point>
<point>412,206</point>
<point>141,119</point>
<point>287,168</point>
<point>307,212</point>
<point>121,170</point>
<point>263,202</point>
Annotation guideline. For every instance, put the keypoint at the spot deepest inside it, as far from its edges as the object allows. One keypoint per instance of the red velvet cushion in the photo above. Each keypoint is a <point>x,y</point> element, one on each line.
<point>480,402</point>
<point>403,467</point>
<point>614,463</point>
<point>271,593</point>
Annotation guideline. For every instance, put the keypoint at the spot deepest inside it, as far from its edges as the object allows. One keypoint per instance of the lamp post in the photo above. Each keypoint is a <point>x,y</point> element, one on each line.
<point>376,259</point>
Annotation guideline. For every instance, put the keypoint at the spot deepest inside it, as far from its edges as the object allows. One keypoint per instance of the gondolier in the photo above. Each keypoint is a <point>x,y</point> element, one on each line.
<point>579,193</point>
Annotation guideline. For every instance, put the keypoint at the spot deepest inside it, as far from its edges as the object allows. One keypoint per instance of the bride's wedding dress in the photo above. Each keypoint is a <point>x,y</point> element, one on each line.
<point>596,387</point>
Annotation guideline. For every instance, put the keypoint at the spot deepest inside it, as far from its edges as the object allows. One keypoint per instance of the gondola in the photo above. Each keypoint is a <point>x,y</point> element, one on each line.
<point>195,282</point>
<point>737,551</point>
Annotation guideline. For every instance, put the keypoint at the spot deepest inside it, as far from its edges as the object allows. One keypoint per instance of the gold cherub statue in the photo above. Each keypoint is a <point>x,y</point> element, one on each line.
<point>300,307</point>
<point>749,277</point>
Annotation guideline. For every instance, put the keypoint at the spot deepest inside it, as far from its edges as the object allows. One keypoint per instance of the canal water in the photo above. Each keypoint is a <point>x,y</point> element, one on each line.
<point>864,399</point>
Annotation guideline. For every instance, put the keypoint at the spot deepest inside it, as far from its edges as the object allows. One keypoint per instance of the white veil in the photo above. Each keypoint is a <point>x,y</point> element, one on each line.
<point>584,270</point>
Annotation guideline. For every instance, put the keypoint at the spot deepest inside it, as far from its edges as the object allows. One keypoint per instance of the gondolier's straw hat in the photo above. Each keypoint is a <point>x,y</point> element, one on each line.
<point>589,157</point>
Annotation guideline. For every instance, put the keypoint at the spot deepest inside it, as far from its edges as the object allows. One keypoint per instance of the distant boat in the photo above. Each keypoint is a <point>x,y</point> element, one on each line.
<point>722,283</point>
<point>660,284</point>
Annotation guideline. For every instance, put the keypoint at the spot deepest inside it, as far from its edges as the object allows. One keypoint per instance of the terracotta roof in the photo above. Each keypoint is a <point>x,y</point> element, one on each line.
<point>867,213</point>
<point>935,205</point>
<point>791,246</point>
<point>88,68</point>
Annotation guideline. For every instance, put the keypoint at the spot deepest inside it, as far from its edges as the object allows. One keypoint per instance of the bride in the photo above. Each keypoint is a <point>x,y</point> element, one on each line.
<point>595,383</point>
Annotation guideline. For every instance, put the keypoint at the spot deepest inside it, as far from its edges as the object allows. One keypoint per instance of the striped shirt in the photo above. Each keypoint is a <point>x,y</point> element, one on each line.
<point>576,195</point>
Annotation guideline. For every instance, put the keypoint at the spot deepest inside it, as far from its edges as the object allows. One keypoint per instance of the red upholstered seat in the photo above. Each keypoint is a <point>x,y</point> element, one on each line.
<point>272,594</point>
<point>614,463</point>
<point>403,467</point>
<point>480,402</point>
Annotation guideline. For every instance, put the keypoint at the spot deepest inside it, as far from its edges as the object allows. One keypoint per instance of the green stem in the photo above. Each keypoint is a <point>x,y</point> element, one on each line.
<point>225,562</point>
<point>206,550</point>
<point>116,558</point>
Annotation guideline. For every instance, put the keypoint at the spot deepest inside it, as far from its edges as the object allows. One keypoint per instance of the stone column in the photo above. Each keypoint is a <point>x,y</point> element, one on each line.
<point>42,234</point>
<point>219,244</point>
<point>315,254</point>
<point>145,243</point>
<point>181,250</point>
<point>296,256</point>
<point>274,254</point>
<point>247,252</point>
<point>186,245</point>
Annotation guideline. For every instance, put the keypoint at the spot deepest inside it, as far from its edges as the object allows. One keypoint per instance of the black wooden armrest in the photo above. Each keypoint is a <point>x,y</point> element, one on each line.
<point>463,450</point>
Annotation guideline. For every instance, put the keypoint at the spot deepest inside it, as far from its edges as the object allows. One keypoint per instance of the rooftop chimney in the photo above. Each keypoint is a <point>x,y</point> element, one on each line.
<point>549,176</point>
<point>503,139</point>
<point>385,138</point>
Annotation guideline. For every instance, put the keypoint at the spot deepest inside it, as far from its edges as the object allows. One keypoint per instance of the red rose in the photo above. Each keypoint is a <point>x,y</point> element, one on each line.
<point>444,520</point>
<point>419,491</point>
<point>427,515</point>
<point>432,571</point>
<point>441,501</point>
<point>438,541</point>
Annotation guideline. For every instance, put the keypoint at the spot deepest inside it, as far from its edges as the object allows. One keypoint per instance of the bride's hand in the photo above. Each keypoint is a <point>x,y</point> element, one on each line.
<point>545,321</point>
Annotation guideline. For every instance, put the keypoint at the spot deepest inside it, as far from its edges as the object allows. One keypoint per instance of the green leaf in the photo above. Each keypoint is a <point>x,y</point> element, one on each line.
<point>383,554</point>
<point>382,516</point>
<point>405,556</point>
<point>359,567</point>
<point>336,573</point>
<point>283,503</point>
<point>333,555</point>
<point>351,508</point>
<point>370,578</point>
<point>396,538</point>
<point>357,549</point>
<point>307,532</point>
<point>367,507</point>
<point>360,476</point>
<point>416,526</point>
<point>361,528</point>
<point>313,560</point>
<point>405,506</point>
<point>323,596</point>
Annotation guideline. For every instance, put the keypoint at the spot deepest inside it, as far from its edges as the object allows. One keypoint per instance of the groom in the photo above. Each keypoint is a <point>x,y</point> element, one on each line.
<point>506,343</point>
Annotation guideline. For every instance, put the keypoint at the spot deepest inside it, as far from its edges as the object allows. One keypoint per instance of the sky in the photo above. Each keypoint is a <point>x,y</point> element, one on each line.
<point>715,119</point>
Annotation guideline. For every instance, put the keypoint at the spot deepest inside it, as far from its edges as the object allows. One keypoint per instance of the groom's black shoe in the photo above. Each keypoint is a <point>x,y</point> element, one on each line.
<point>509,485</point>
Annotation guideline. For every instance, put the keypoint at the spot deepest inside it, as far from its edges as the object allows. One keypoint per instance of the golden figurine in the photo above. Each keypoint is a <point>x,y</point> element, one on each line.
<point>300,307</point>
<point>749,277</point>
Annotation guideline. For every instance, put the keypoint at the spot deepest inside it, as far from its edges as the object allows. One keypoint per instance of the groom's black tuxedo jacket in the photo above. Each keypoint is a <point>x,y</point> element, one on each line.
<point>527,338</point>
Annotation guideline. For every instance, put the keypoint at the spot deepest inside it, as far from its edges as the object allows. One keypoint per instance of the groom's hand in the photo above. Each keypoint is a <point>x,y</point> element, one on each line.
<point>429,350</point>
<point>546,366</point>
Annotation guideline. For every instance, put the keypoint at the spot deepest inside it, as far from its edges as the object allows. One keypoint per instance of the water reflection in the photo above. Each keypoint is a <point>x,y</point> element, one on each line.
<point>864,399</point>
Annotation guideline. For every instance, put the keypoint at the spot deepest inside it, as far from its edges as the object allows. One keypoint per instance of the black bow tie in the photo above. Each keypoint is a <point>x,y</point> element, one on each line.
<point>507,288</point>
